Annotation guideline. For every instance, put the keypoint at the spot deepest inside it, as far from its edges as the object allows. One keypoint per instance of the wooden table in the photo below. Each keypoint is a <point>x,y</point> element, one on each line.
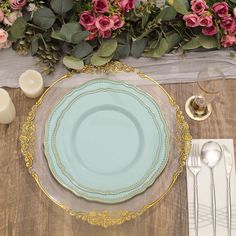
<point>26,211</point>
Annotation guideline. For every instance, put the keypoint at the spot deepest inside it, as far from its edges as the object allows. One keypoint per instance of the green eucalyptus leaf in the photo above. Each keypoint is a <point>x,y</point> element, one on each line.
<point>168,13</point>
<point>144,34</point>
<point>56,35</point>
<point>18,28</point>
<point>97,60</point>
<point>192,44</point>
<point>154,43</point>
<point>82,50</point>
<point>160,50</point>
<point>62,6</point>
<point>145,19</point>
<point>73,63</point>
<point>122,51</point>
<point>79,36</point>
<point>173,40</point>
<point>138,47</point>
<point>208,42</point>
<point>87,60</point>
<point>44,18</point>
<point>180,7</point>
<point>68,30</point>
<point>34,45</point>
<point>107,48</point>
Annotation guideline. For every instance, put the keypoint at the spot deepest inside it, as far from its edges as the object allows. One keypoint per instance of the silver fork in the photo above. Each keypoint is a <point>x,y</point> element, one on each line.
<point>194,165</point>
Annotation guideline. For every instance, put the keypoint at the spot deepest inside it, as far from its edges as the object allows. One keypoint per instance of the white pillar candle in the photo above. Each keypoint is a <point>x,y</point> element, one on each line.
<point>7,108</point>
<point>31,83</point>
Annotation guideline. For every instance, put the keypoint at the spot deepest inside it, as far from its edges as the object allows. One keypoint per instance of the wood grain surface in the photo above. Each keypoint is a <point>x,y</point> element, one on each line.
<point>26,211</point>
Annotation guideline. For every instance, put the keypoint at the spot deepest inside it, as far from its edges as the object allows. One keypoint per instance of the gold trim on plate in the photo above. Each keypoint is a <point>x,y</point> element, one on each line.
<point>106,218</point>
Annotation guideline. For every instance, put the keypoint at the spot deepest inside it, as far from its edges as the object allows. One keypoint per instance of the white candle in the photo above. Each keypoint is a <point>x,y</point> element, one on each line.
<point>7,108</point>
<point>31,83</point>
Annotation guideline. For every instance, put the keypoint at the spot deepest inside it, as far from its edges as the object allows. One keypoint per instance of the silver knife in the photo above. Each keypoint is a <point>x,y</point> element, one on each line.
<point>228,157</point>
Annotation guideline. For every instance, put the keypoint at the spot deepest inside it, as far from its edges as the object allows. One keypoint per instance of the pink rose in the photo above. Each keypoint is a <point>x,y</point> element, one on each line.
<point>220,8</point>
<point>7,44</point>
<point>191,20</point>
<point>3,36</point>
<point>126,5</point>
<point>228,23</point>
<point>17,4</point>
<point>1,15</point>
<point>205,21</point>
<point>87,20</point>
<point>228,40</point>
<point>235,12</point>
<point>105,34</point>
<point>209,31</point>
<point>104,23</point>
<point>12,18</point>
<point>199,6</point>
<point>118,22</point>
<point>100,6</point>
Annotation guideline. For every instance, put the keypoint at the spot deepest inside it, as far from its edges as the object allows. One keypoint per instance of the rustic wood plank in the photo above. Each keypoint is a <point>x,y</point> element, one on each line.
<point>25,210</point>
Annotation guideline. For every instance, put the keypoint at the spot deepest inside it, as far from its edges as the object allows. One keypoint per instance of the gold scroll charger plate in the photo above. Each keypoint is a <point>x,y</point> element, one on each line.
<point>32,138</point>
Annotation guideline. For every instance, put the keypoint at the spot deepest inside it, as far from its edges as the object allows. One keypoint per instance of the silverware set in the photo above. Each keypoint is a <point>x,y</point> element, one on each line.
<point>210,153</point>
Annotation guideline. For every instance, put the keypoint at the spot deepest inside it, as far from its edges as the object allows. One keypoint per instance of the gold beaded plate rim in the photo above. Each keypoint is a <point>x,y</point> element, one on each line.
<point>105,218</point>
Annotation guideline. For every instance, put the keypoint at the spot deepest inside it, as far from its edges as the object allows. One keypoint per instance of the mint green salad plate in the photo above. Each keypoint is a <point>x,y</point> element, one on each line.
<point>106,141</point>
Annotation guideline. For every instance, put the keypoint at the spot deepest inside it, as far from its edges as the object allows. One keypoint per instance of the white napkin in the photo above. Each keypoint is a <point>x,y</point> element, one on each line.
<point>204,196</point>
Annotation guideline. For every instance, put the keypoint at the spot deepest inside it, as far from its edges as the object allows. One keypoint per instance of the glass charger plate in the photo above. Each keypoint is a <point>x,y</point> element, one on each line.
<point>106,141</point>
<point>32,138</point>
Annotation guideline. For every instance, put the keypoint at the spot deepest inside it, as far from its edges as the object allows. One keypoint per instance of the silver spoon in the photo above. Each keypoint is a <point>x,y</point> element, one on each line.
<point>211,154</point>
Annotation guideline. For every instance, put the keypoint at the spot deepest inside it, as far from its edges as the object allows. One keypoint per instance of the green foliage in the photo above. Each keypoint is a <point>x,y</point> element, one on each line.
<point>44,18</point>
<point>97,60</point>
<point>53,32</point>
<point>168,13</point>
<point>201,41</point>
<point>34,45</point>
<point>61,6</point>
<point>82,50</point>
<point>160,49</point>
<point>18,28</point>
<point>138,46</point>
<point>67,32</point>
<point>107,48</point>
<point>181,6</point>
<point>73,63</point>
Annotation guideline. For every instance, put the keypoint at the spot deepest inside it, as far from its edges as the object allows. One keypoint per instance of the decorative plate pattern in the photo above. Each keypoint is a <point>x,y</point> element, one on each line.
<point>102,217</point>
<point>106,141</point>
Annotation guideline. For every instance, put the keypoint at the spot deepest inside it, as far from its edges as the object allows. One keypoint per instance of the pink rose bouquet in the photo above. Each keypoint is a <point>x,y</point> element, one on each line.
<point>213,19</point>
<point>105,17</point>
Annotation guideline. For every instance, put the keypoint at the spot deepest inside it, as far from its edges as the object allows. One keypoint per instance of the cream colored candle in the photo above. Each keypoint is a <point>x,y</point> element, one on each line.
<point>31,83</point>
<point>7,108</point>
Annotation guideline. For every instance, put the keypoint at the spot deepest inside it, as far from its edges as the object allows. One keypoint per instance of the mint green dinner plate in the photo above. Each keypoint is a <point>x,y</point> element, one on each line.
<point>106,141</point>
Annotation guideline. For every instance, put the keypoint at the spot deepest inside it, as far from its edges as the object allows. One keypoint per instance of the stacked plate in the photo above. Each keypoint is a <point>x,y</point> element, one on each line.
<point>106,141</point>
